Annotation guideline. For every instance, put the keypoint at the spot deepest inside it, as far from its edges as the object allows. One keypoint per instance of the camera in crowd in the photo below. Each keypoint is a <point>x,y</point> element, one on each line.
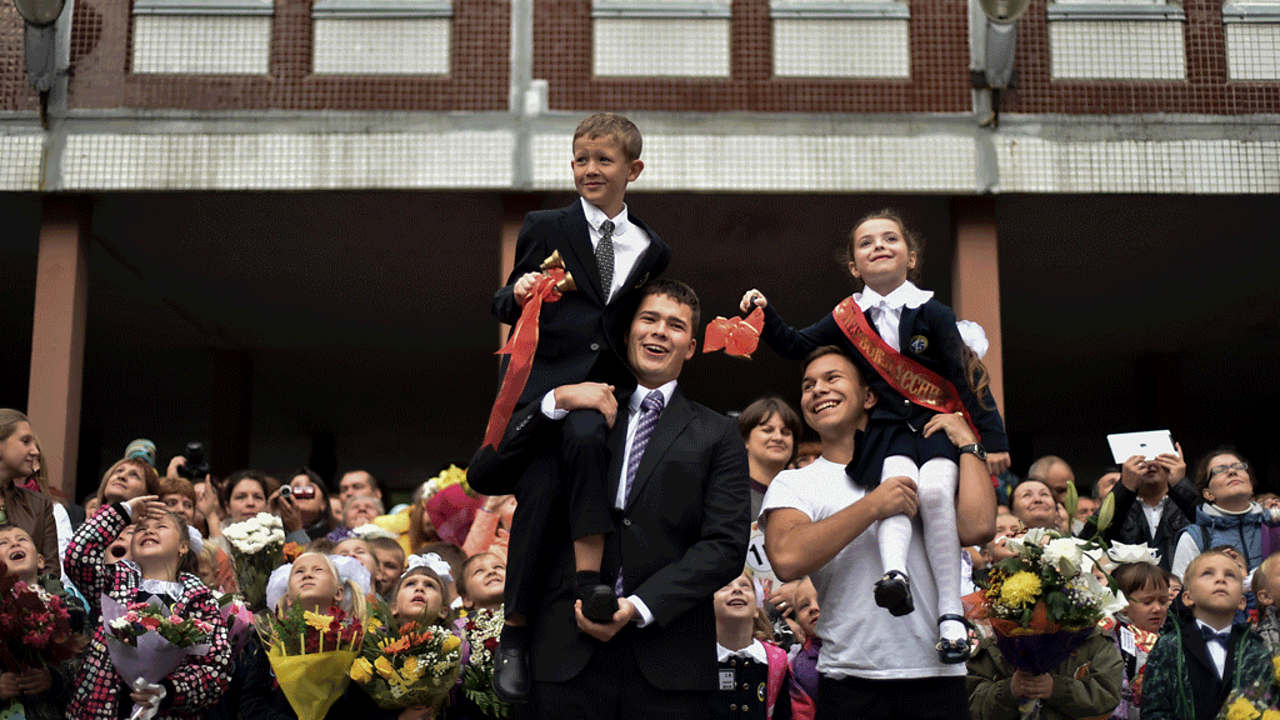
<point>306,492</point>
<point>197,465</point>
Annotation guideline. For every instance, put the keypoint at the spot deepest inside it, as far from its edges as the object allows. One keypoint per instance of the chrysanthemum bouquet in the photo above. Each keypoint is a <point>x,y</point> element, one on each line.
<point>409,664</point>
<point>482,628</point>
<point>35,626</point>
<point>1259,701</point>
<point>310,653</point>
<point>1044,601</point>
<point>257,546</point>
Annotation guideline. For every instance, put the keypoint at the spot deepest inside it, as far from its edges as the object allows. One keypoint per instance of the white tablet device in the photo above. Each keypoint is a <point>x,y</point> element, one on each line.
<point>1148,444</point>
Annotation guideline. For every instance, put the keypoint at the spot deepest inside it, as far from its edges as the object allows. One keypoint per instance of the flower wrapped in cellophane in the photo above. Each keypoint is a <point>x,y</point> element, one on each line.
<point>35,626</point>
<point>403,665</point>
<point>257,546</point>
<point>1257,701</point>
<point>482,628</point>
<point>310,654</point>
<point>238,618</point>
<point>146,643</point>
<point>1044,601</point>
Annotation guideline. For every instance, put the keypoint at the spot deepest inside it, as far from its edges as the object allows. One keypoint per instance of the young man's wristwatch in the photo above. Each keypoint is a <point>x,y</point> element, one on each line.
<point>977,450</point>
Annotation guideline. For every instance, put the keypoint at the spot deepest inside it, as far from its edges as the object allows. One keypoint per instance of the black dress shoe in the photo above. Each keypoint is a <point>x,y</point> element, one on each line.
<point>511,676</point>
<point>599,604</point>
<point>893,592</point>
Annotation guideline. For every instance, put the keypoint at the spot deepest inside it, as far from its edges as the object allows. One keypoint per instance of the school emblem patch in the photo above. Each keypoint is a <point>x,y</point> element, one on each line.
<point>919,343</point>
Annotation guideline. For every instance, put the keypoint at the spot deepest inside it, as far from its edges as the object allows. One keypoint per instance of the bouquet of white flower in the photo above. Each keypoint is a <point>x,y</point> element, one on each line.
<point>257,546</point>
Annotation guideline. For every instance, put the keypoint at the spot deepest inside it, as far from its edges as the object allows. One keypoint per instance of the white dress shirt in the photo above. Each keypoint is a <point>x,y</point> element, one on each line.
<point>629,242</point>
<point>886,310</point>
<point>1217,652</point>
<point>1153,513</point>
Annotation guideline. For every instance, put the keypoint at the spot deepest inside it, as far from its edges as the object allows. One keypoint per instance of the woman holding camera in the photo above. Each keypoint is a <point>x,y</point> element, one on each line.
<point>311,498</point>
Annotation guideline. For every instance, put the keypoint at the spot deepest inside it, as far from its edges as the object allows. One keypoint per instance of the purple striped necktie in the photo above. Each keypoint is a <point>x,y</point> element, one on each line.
<point>650,411</point>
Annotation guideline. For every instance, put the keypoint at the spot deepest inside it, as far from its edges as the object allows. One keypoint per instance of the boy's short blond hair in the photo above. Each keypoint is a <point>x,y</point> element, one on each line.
<point>1198,560</point>
<point>614,126</point>
<point>1262,571</point>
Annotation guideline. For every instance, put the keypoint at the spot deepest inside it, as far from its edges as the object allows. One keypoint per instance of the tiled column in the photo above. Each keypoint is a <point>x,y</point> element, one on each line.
<point>976,281</point>
<point>57,336</point>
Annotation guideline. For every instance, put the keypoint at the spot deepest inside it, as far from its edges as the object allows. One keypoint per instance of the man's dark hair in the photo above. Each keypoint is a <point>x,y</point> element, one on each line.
<point>679,292</point>
<point>826,350</point>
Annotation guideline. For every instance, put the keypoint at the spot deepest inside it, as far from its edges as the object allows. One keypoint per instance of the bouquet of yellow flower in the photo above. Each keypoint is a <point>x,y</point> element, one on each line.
<point>310,653</point>
<point>405,665</point>
<point>1259,701</point>
<point>1044,601</point>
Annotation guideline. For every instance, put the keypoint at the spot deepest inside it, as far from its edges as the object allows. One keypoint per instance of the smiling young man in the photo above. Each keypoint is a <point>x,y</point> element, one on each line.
<point>679,489</point>
<point>819,523</point>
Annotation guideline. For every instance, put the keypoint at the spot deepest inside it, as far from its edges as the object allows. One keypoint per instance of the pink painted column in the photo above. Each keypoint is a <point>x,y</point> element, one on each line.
<point>976,280</point>
<point>57,337</point>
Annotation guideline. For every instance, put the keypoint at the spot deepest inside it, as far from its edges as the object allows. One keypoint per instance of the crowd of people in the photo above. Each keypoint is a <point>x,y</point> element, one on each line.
<point>617,550</point>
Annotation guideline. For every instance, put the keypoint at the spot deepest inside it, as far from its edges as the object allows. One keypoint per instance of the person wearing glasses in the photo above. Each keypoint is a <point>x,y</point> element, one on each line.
<point>1229,515</point>
<point>1154,501</point>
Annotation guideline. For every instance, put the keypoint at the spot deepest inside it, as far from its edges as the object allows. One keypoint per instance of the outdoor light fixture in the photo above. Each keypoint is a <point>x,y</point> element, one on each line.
<point>41,46</point>
<point>1001,35</point>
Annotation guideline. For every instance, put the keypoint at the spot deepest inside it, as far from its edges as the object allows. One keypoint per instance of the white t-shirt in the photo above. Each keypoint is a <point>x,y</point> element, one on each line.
<point>859,638</point>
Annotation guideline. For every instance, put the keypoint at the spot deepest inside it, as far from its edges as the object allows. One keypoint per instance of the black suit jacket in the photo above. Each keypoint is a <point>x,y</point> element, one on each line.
<point>582,337</point>
<point>942,353</point>
<point>681,537</point>
<point>1208,690</point>
<point>1130,524</point>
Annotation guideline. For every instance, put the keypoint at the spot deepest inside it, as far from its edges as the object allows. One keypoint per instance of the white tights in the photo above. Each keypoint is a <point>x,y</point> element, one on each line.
<point>936,480</point>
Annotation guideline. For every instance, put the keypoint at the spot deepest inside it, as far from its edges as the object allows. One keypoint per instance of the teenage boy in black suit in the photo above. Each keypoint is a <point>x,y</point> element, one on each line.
<point>679,486</point>
<point>610,256</point>
<point>1192,669</point>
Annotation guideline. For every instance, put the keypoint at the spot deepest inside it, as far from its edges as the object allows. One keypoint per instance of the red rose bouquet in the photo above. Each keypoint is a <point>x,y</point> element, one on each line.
<point>35,627</point>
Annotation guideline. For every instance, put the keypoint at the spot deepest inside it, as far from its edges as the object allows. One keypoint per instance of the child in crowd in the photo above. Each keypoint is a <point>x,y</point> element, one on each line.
<point>420,595</point>
<point>359,550</point>
<point>36,693</point>
<point>1085,685</point>
<point>484,577</point>
<point>610,255</point>
<point>1008,528</point>
<point>1193,668</point>
<point>1136,629</point>
<point>161,566</point>
<point>893,328</point>
<point>754,675</point>
<point>1266,587</point>
<point>804,659</point>
<point>390,558</point>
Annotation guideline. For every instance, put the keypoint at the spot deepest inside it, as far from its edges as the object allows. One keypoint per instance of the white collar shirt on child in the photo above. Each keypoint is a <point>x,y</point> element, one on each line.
<point>886,310</point>
<point>1217,652</point>
<point>755,651</point>
<point>629,242</point>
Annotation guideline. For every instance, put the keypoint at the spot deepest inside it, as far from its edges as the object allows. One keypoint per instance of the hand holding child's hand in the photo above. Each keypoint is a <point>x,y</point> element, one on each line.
<point>954,425</point>
<point>998,462</point>
<point>524,286</point>
<point>604,633</point>
<point>1026,685</point>
<point>147,506</point>
<point>752,299</point>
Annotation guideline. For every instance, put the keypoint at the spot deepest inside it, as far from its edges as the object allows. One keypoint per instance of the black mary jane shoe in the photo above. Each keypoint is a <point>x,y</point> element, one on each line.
<point>954,652</point>
<point>893,593</point>
<point>511,682</point>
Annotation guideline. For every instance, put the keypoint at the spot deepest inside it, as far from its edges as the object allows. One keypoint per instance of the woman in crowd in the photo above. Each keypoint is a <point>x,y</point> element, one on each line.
<point>28,510</point>
<point>1229,515</point>
<point>315,507</point>
<point>1032,502</point>
<point>770,429</point>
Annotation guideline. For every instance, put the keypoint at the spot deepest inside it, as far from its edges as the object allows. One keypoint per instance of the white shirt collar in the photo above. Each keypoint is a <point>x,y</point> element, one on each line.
<point>755,651</point>
<point>595,216</point>
<point>905,295</point>
<point>638,396</point>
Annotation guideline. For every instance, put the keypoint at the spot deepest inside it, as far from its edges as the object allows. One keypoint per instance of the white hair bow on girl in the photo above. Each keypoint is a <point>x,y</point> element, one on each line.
<point>432,561</point>
<point>345,567</point>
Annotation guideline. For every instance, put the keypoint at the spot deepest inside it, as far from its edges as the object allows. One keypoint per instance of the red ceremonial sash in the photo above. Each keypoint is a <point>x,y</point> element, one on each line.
<point>917,383</point>
<point>522,345</point>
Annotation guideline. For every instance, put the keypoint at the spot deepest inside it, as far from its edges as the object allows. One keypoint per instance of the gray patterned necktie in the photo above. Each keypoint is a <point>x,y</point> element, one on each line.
<point>604,258</point>
<point>650,411</point>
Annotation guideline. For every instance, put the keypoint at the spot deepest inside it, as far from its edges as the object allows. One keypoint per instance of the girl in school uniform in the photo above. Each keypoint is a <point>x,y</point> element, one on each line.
<point>911,349</point>
<point>754,674</point>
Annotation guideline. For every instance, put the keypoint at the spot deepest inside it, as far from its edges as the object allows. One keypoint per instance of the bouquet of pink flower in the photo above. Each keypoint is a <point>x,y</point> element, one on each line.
<point>238,619</point>
<point>146,643</point>
<point>35,627</point>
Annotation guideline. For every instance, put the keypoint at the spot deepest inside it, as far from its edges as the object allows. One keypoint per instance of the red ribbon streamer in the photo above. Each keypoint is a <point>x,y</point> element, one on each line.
<point>521,346</point>
<point>738,337</point>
